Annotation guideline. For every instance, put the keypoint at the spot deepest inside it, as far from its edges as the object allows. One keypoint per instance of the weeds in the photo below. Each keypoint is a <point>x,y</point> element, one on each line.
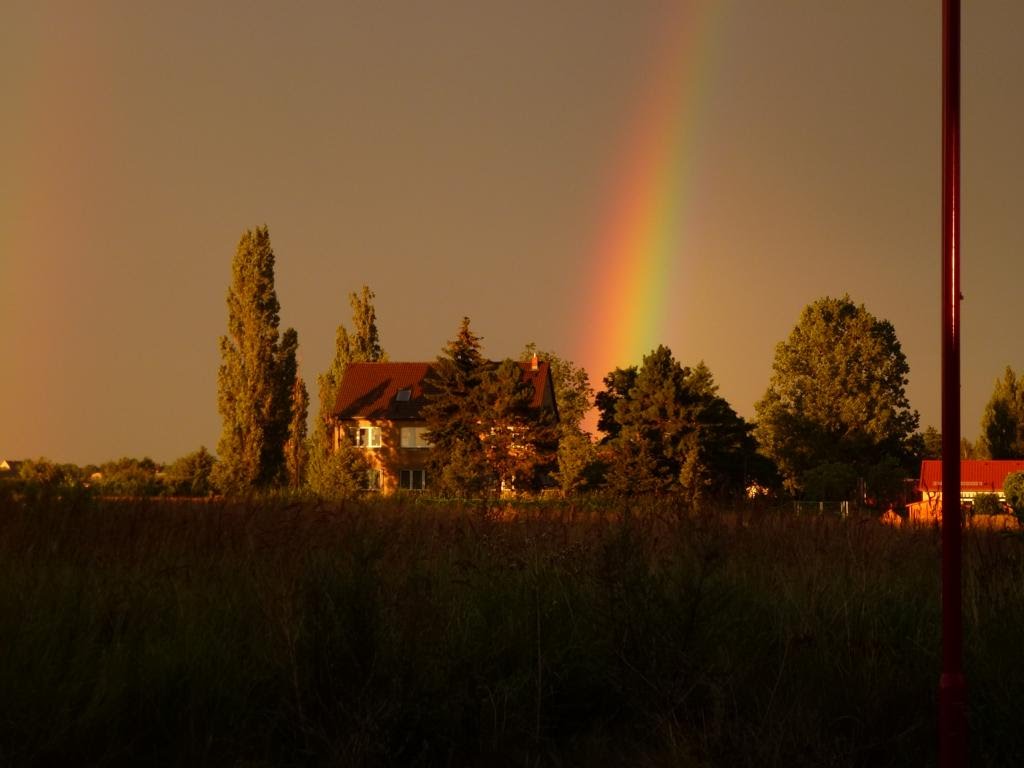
<point>404,632</point>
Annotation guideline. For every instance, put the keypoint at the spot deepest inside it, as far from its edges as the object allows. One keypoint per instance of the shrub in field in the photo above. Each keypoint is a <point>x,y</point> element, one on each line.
<point>1013,487</point>
<point>129,477</point>
<point>987,504</point>
<point>190,475</point>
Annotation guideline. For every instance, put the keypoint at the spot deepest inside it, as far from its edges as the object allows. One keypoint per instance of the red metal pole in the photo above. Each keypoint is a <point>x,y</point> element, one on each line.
<point>952,684</point>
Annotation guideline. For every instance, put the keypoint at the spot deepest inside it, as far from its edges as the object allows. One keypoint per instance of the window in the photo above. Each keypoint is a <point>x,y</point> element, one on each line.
<point>412,479</point>
<point>368,437</point>
<point>404,395</point>
<point>415,437</point>
<point>372,480</point>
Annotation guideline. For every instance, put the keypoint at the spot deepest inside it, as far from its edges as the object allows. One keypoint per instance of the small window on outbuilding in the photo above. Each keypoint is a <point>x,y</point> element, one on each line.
<point>403,396</point>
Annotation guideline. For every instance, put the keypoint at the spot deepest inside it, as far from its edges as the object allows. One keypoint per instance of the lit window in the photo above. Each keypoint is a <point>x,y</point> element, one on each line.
<point>368,437</point>
<point>415,437</point>
<point>372,480</point>
<point>412,479</point>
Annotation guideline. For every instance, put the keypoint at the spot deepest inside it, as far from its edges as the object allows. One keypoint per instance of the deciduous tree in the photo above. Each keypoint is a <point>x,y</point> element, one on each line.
<point>574,396</point>
<point>837,393</point>
<point>190,475</point>
<point>1013,488</point>
<point>296,449</point>
<point>130,477</point>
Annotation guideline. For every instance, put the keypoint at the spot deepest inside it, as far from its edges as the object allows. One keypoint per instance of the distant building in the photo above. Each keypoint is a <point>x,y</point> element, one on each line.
<point>9,467</point>
<point>976,477</point>
<point>379,409</point>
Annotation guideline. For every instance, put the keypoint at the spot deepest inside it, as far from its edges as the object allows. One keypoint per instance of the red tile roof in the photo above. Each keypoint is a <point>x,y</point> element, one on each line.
<point>976,476</point>
<point>369,390</point>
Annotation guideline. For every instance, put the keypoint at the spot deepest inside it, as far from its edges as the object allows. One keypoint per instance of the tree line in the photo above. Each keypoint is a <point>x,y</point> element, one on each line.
<point>834,423</point>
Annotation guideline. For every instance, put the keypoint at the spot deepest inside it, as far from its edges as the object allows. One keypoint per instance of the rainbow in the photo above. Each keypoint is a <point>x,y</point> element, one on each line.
<point>640,253</point>
<point>47,203</point>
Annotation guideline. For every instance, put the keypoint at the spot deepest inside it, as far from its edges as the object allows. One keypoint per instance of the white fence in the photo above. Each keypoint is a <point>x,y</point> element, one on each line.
<point>837,508</point>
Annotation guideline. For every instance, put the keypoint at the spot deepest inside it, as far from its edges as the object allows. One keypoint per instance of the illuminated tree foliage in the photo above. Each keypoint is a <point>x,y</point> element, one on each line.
<point>519,441</point>
<point>327,472</point>
<point>296,449</point>
<point>256,376</point>
<point>190,475</point>
<point>577,457</point>
<point>837,393</point>
<point>1013,488</point>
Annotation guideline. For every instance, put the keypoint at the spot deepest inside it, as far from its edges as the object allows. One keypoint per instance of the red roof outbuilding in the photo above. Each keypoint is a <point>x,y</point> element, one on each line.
<point>976,476</point>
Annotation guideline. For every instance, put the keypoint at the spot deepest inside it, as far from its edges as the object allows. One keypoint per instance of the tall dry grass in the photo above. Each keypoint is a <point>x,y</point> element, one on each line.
<point>404,632</point>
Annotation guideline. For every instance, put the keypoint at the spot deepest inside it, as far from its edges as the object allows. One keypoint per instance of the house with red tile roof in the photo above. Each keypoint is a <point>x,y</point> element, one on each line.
<point>379,409</point>
<point>976,477</point>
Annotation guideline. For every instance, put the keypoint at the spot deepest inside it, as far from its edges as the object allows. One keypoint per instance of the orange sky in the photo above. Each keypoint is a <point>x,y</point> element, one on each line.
<point>459,157</point>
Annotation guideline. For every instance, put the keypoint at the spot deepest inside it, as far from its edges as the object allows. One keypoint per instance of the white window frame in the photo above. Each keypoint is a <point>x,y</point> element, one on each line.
<point>407,479</point>
<point>414,437</point>
<point>367,437</point>
<point>374,480</point>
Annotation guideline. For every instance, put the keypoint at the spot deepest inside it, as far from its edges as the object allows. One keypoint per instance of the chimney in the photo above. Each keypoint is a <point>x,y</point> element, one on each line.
<point>533,362</point>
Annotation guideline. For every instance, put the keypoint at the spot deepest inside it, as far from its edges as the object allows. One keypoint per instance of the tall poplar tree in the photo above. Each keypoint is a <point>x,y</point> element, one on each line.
<point>361,346</point>
<point>296,451</point>
<point>254,382</point>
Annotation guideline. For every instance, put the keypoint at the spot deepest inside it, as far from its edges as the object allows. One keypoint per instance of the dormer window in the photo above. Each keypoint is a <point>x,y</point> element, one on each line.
<point>403,396</point>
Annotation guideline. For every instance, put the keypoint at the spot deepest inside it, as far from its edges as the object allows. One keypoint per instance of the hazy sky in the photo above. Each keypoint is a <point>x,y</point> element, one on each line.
<point>470,158</point>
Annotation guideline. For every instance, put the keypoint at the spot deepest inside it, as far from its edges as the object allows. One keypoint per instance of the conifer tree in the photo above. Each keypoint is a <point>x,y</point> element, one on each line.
<point>670,432</point>
<point>457,464</point>
<point>519,441</point>
<point>252,396</point>
<point>362,346</point>
<point>1002,423</point>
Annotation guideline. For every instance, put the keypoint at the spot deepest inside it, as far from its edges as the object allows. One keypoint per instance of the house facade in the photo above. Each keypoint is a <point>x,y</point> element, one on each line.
<point>379,410</point>
<point>976,477</point>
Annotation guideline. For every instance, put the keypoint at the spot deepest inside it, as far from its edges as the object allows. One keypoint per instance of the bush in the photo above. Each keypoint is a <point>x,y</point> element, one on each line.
<point>1013,487</point>
<point>988,504</point>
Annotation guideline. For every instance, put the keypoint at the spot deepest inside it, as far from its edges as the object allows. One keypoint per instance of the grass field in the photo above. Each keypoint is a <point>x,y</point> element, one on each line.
<point>406,632</point>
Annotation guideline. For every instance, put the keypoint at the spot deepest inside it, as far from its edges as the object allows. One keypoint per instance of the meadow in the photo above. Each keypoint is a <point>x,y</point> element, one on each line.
<point>283,632</point>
